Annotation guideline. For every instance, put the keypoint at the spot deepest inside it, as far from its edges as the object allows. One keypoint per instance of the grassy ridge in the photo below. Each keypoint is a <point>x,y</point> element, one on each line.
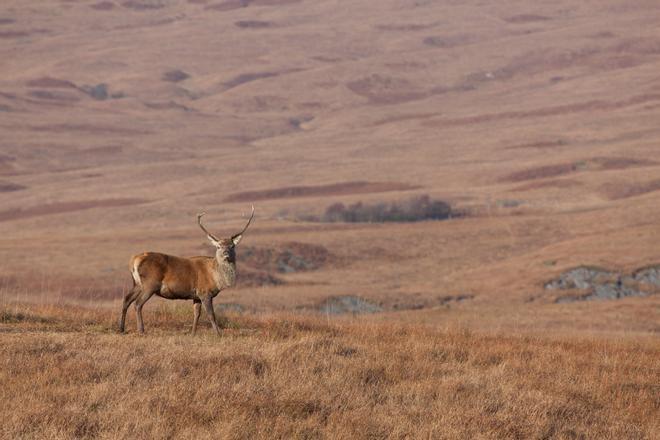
<point>65,373</point>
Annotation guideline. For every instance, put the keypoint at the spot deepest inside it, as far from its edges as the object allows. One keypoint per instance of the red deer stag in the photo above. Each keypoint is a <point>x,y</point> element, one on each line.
<point>198,279</point>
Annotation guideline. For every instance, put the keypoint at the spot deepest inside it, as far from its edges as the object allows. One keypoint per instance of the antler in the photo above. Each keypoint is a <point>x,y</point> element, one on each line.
<point>246,226</point>
<point>199,221</point>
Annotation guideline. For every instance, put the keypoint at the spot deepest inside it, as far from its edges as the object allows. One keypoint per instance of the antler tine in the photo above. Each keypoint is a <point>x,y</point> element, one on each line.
<point>199,221</point>
<point>248,223</point>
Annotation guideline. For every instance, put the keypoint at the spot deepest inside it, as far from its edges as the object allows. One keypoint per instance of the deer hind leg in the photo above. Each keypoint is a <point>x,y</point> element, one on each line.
<point>128,300</point>
<point>208,305</point>
<point>139,302</point>
<point>197,309</point>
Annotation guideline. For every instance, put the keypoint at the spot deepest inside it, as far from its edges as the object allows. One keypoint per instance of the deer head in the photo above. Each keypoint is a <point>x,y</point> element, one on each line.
<point>225,247</point>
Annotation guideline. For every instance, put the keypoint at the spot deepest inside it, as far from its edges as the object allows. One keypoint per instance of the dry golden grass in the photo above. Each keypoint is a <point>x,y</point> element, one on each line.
<point>65,373</point>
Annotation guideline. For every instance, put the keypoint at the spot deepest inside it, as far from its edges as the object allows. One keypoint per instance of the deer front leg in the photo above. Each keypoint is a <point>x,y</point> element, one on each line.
<point>208,305</point>
<point>197,308</point>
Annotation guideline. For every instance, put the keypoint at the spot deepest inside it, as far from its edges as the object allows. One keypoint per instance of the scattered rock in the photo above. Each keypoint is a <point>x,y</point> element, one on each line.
<point>648,275</point>
<point>353,304</point>
<point>593,283</point>
<point>582,278</point>
<point>337,305</point>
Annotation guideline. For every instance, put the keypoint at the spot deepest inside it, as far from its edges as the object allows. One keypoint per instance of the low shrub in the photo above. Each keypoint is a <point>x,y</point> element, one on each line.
<point>415,209</point>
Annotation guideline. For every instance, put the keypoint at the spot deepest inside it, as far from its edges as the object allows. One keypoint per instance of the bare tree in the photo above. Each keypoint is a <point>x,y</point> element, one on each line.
<point>198,279</point>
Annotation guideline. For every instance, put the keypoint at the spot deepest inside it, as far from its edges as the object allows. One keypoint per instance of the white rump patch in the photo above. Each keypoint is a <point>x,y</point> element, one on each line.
<point>135,273</point>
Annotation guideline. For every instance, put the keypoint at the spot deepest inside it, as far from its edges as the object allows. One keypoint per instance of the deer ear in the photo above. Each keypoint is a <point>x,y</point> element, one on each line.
<point>237,239</point>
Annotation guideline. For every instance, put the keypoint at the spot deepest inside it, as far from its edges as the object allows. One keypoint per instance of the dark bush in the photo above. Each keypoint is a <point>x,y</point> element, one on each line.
<point>175,75</point>
<point>98,92</point>
<point>416,209</point>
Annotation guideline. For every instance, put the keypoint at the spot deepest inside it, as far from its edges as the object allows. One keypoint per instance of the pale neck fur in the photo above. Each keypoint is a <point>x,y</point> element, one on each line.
<point>226,271</point>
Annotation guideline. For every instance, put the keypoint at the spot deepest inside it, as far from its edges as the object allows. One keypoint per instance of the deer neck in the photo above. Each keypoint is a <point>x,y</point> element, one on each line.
<point>225,270</point>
